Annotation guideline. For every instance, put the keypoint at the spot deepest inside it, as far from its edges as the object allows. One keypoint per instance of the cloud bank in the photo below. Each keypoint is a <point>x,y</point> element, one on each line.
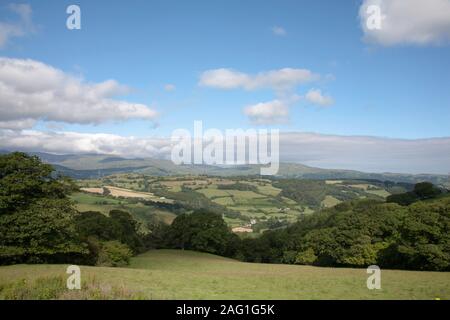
<point>74,142</point>
<point>370,154</point>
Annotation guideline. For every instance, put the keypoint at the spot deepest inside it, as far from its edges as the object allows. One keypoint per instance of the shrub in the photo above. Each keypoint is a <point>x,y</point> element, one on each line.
<point>306,257</point>
<point>114,254</point>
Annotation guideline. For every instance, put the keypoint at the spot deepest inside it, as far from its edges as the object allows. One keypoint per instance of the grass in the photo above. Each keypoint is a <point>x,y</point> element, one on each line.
<point>330,201</point>
<point>141,212</point>
<point>379,192</point>
<point>172,274</point>
<point>54,287</point>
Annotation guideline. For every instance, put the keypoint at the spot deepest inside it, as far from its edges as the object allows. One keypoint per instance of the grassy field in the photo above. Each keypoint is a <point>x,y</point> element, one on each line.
<point>141,212</point>
<point>330,201</point>
<point>171,274</point>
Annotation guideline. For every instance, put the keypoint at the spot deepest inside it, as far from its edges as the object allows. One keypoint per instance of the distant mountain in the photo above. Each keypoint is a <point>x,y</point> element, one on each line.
<point>94,165</point>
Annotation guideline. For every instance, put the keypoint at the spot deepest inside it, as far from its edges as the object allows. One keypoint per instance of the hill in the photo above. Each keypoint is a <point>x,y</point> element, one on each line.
<point>172,274</point>
<point>96,165</point>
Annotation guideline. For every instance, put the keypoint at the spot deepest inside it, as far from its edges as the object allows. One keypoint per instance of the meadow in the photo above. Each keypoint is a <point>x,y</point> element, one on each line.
<point>142,213</point>
<point>175,274</point>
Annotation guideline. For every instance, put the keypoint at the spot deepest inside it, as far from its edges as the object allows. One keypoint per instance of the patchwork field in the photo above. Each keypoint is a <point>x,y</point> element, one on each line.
<point>262,202</point>
<point>172,274</point>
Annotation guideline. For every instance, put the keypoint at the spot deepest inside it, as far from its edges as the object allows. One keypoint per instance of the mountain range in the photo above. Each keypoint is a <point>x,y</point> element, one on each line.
<point>83,166</point>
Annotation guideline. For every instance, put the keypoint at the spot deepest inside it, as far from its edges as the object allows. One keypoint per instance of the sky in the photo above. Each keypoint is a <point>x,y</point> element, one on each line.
<point>137,70</point>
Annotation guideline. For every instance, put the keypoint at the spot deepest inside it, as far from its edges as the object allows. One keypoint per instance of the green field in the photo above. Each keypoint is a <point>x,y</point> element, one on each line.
<point>173,274</point>
<point>141,212</point>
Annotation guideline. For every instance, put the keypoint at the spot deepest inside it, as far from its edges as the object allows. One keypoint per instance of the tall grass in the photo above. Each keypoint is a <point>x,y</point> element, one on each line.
<point>54,288</point>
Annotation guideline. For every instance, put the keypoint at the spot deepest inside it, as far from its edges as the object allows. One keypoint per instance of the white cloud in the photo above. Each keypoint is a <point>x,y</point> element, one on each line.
<point>271,112</point>
<point>282,79</point>
<point>370,154</point>
<point>279,31</point>
<point>31,90</point>
<point>315,96</point>
<point>19,28</point>
<point>74,142</point>
<point>169,87</point>
<point>416,22</point>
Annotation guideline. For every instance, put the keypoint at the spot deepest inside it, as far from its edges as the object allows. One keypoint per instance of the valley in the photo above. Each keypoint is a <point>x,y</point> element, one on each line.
<point>256,203</point>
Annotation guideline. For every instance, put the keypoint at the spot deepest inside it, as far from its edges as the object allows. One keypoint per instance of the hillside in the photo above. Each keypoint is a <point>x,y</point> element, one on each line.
<point>93,166</point>
<point>266,203</point>
<point>172,274</point>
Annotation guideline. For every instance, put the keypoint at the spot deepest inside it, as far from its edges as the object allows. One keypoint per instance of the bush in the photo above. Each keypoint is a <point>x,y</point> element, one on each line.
<point>306,257</point>
<point>114,254</point>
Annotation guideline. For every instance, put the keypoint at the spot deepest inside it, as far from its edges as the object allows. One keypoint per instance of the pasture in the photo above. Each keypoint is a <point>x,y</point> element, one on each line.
<point>174,274</point>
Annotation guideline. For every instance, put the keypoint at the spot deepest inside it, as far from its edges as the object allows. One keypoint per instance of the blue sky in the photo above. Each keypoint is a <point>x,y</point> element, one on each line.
<point>398,90</point>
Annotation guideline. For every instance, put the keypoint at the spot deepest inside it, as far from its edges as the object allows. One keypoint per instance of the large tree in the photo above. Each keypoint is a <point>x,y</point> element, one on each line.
<point>36,216</point>
<point>202,231</point>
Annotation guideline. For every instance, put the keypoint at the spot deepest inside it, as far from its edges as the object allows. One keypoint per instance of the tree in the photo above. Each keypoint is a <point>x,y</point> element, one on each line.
<point>361,233</point>
<point>426,190</point>
<point>25,179</point>
<point>424,242</point>
<point>403,199</point>
<point>421,191</point>
<point>202,231</point>
<point>96,224</point>
<point>36,217</point>
<point>128,227</point>
<point>42,233</point>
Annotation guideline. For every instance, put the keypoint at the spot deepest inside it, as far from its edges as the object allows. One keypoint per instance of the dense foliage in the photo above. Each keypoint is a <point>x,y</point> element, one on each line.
<point>202,231</point>
<point>313,192</point>
<point>38,223</point>
<point>111,239</point>
<point>361,233</point>
<point>421,191</point>
<point>36,217</point>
